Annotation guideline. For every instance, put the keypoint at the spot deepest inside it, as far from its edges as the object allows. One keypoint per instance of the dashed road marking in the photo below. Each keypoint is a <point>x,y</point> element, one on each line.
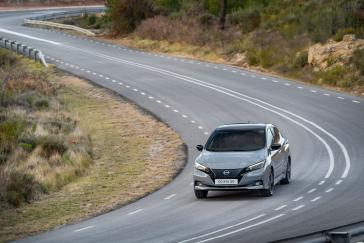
<point>321,183</point>
<point>355,101</point>
<point>338,182</point>
<point>298,199</point>
<point>85,228</point>
<point>329,190</point>
<point>312,190</point>
<point>170,196</point>
<point>280,207</point>
<point>298,207</point>
<point>136,211</point>
<point>315,199</point>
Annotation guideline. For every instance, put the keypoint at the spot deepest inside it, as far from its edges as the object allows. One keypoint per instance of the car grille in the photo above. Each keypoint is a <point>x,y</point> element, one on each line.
<point>219,173</point>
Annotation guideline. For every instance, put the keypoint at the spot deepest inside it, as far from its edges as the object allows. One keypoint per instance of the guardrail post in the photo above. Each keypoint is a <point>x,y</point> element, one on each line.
<point>1,42</point>
<point>5,42</point>
<point>11,45</point>
<point>339,237</point>
<point>30,52</point>
<point>18,45</point>
<point>36,52</point>
<point>24,49</point>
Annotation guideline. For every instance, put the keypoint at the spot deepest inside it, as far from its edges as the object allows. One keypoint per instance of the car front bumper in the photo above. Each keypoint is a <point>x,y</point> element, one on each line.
<point>254,180</point>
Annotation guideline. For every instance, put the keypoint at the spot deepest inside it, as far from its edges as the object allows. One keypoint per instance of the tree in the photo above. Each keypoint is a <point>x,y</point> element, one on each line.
<point>223,14</point>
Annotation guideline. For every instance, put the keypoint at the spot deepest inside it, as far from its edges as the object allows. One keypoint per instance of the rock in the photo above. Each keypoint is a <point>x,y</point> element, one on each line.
<point>325,56</point>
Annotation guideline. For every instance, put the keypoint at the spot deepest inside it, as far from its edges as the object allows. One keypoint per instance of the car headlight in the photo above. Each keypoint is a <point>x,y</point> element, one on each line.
<point>201,167</point>
<point>256,166</point>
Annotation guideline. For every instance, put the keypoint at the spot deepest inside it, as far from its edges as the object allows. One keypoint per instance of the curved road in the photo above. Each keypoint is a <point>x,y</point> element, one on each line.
<point>325,129</point>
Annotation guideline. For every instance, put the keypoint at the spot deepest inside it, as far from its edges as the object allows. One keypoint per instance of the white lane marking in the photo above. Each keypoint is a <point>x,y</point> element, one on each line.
<point>136,211</point>
<point>299,87</point>
<point>316,198</point>
<point>222,229</point>
<point>128,86</point>
<point>321,183</point>
<point>224,69</point>
<point>151,97</point>
<point>200,127</point>
<point>298,207</point>
<point>114,81</point>
<point>158,101</point>
<point>280,207</point>
<point>244,228</point>
<point>329,190</point>
<point>142,93</point>
<point>338,182</point>
<point>216,67</point>
<point>233,71</point>
<point>176,110</point>
<point>312,190</point>
<point>28,36</point>
<point>263,78</point>
<point>253,76</point>
<point>85,228</point>
<point>313,91</point>
<point>340,98</point>
<point>326,94</point>
<point>298,199</point>
<point>94,74</point>
<point>100,75</point>
<point>169,197</point>
<point>247,99</point>
<point>355,101</point>
<point>136,90</point>
<point>287,84</point>
<point>88,71</point>
<point>191,184</point>
<point>206,133</point>
<point>167,106</point>
<point>184,116</point>
<point>107,78</point>
<point>120,83</point>
<point>244,74</point>
<point>275,81</point>
<point>193,122</point>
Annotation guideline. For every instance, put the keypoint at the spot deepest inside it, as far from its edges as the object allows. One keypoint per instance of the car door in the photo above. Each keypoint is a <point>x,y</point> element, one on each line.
<point>274,156</point>
<point>278,139</point>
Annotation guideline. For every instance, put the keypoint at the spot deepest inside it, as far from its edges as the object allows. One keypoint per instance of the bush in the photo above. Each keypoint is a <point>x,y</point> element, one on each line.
<point>51,145</point>
<point>342,32</point>
<point>92,19</point>
<point>358,60</point>
<point>300,59</point>
<point>41,103</point>
<point>247,19</point>
<point>21,188</point>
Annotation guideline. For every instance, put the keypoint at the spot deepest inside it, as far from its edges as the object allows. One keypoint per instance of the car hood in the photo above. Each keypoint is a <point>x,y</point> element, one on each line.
<point>230,160</point>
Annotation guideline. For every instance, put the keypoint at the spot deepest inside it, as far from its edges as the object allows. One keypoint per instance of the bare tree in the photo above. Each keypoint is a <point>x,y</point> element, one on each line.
<point>223,14</point>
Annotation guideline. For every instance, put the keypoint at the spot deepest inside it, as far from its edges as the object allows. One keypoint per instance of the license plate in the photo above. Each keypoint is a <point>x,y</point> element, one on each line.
<point>226,181</point>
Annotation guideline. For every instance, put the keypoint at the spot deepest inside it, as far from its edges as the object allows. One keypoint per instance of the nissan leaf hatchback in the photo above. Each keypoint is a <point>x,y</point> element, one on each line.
<point>242,157</point>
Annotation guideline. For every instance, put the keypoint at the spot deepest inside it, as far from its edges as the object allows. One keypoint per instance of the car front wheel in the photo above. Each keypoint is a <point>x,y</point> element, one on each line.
<point>201,194</point>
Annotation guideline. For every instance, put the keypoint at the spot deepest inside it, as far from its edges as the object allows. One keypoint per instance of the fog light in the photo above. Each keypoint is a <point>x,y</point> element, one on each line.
<point>258,183</point>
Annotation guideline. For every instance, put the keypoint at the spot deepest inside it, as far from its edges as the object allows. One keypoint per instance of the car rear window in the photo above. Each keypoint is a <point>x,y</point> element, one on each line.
<point>236,140</point>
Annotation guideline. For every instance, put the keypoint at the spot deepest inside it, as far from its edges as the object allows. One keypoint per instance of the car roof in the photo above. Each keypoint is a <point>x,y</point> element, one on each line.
<point>242,126</point>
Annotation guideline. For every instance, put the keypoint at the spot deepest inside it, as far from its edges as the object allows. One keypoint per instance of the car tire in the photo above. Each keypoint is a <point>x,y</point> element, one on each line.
<point>269,191</point>
<point>287,176</point>
<point>201,194</point>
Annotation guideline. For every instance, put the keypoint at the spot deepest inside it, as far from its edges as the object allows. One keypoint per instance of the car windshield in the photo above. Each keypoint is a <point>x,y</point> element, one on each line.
<point>236,140</point>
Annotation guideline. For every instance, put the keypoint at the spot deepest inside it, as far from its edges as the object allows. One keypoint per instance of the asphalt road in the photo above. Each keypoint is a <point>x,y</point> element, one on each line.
<point>325,130</point>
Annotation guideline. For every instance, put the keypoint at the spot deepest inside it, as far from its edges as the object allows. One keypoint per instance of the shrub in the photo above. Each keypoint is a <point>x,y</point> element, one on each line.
<point>92,19</point>
<point>358,60</point>
<point>247,19</point>
<point>52,144</point>
<point>41,103</point>
<point>21,188</point>
<point>340,34</point>
<point>300,59</point>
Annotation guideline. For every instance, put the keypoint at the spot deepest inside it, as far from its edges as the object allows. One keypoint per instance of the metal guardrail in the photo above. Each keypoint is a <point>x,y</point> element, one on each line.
<point>344,234</point>
<point>24,50</point>
<point>43,19</point>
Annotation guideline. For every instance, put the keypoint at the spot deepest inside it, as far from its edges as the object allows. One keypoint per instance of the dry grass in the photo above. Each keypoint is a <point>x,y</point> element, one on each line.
<point>128,147</point>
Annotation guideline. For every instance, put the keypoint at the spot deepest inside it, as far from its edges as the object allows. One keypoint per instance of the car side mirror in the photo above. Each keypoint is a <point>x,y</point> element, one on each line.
<point>199,147</point>
<point>275,146</point>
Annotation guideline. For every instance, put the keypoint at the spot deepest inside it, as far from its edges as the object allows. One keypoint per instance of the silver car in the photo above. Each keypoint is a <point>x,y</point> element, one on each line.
<point>242,157</point>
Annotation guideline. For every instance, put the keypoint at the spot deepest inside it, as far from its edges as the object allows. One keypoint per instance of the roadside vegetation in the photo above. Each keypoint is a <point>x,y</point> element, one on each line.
<point>268,35</point>
<point>70,150</point>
